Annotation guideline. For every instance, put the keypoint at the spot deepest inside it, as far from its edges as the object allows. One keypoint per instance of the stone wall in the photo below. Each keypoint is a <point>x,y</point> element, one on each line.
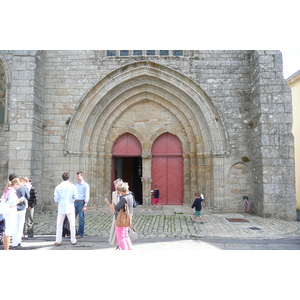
<point>272,140</point>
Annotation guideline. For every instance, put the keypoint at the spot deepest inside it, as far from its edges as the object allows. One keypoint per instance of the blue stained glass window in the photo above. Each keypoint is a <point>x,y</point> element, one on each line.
<point>124,52</point>
<point>111,52</point>
<point>150,52</point>
<point>177,52</point>
<point>163,52</point>
<point>137,52</point>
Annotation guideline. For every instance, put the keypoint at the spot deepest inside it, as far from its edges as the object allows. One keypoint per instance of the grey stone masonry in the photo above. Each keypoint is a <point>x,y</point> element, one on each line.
<point>26,107</point>
<point>231,111</point>
<point>272,140</point>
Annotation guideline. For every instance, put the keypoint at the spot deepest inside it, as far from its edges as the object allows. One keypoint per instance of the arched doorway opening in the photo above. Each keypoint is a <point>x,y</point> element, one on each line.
<point>127,163</point>
<point>167,169</point>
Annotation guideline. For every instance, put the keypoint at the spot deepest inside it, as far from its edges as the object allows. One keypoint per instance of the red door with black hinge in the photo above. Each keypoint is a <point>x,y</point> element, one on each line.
<point>167,169</point>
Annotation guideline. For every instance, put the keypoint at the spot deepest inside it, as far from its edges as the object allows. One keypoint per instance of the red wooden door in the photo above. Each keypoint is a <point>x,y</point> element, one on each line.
<point>167,169</point>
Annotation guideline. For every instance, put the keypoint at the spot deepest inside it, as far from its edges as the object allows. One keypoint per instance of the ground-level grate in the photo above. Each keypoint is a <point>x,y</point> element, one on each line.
<point>254,228</point>
<point>235,220</point>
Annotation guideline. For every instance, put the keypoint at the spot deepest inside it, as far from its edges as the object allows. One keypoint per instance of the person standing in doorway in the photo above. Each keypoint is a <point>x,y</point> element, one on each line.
<point>83,190</point>
<point>65,194</point>
<point>155,194</point>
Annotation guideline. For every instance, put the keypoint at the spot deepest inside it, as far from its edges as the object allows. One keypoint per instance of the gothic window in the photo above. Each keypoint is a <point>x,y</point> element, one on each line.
<point>150,52</point>
<point>163,52</point>
<point>124,52</point>
<point>2,94</point>
<point>111,52</point>
<point>178,52</point>
<point>137,52</point>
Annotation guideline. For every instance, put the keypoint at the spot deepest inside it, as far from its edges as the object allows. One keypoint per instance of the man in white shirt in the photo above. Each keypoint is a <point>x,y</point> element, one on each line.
<point>65,194</point>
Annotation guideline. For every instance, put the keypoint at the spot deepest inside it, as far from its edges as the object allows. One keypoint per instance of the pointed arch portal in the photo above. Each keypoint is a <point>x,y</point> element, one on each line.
<point>137,104</point>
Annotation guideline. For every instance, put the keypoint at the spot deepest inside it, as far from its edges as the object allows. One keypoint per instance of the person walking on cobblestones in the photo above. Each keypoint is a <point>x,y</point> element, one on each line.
<point>155,194</point>
<point>83,190</point>
<point>122,234</point>
<point>65,194</point>
<point>115,197</point>
<point>198,207</point>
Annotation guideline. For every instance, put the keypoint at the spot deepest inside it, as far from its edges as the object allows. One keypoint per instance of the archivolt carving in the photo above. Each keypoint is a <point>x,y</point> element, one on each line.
<point>91,127</point>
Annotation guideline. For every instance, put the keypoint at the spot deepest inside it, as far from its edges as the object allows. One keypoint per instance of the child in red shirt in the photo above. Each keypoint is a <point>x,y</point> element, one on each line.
<point>155,194</point>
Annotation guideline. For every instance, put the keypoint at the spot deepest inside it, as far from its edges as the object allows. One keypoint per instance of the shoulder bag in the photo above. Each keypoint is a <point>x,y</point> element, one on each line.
<point>123,218</point>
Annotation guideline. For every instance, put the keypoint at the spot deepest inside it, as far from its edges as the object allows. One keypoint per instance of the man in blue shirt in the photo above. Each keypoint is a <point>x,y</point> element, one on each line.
<point>83,190</point>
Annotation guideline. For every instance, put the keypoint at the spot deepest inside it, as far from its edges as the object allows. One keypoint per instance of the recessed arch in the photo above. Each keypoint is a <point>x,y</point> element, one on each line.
<point>137,99</point>
<point>127,145</point>
<point>167,145</point>
<point>238,184</point>
<point>119,89</point>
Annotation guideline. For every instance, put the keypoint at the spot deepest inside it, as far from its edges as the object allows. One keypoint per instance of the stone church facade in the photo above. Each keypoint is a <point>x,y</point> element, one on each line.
<point>216,122</point>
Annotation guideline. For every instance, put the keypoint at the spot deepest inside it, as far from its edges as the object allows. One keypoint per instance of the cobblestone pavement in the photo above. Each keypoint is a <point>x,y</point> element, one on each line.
<point>171,229</point>
<point>174,222</point>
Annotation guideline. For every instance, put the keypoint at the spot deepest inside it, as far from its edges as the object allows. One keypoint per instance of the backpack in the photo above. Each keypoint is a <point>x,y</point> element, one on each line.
<point>135,203</point>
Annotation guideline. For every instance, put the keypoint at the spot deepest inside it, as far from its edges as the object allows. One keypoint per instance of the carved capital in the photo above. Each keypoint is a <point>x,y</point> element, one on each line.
<point>146,154</point>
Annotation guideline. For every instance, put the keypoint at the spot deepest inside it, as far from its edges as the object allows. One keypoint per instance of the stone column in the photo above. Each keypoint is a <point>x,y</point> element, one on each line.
<point>26,115</point>
<point>146,179</point>
<point>189,178</point>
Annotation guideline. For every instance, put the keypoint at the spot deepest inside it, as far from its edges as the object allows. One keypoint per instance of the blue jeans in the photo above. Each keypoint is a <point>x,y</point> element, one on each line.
<point>78,211</point>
